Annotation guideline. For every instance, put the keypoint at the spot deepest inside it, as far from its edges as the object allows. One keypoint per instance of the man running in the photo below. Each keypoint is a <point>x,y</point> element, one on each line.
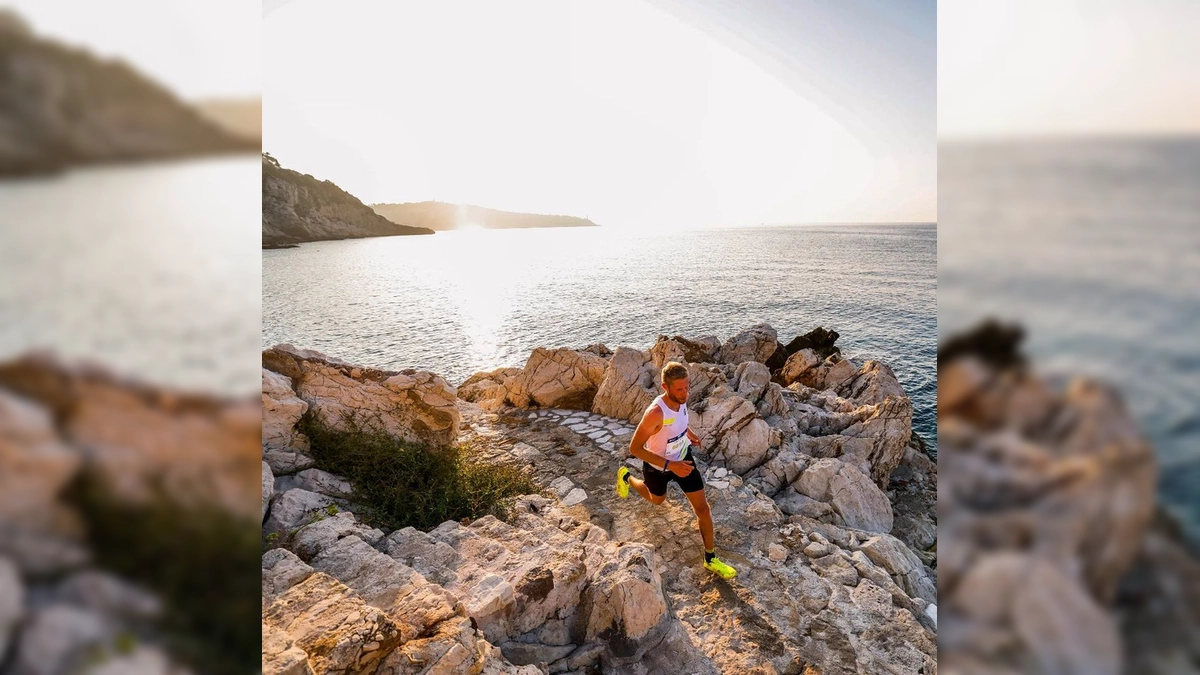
<point>662,443</point>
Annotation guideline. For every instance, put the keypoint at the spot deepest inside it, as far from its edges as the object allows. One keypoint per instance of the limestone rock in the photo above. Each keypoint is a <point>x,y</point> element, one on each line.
<point>750,380</point>
<point>316,480</point>
<point>513,578</point>
<point>798,365</point>
<point>281,410</point>
<point>882,638</point>
<point>311,539</point>
<point>850,492</point>
<point>295,508</point>
<point>664,351</point>
<point>525,653</point>
<point>109,595</point>
<point>902,564</point>
<point>280,655</point>
<point>37,465</point>
<point>332,625</point>
<point>1048,491</point>
<point>762,513</point>
<point>777,553</point>
<point>629,613</point>
<point>756,343</point>
<point>284,462</point>
<point>629,386</point>
<point>1065,630</point>
<point>282,569</point>
<point>489,389</point>
<point>575,496</point>
<point>558,378</point>
<point>36,531</point>
<point>731,432</point>
<point>414,604</point>
<point>436,560</point>
<point>268,488</point>
<point>414,405</point>
<point>57,638</point>
<point>140,438</point>
<point>793,503</point>
<point>878,439</point>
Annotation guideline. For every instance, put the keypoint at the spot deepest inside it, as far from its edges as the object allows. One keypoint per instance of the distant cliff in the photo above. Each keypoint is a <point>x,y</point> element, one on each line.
<point>297,207</point>
<point>443,216</point>
<point>62,107</point>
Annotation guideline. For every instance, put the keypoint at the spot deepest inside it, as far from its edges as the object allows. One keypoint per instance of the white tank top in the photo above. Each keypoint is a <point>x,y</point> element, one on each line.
<point>671,440</point>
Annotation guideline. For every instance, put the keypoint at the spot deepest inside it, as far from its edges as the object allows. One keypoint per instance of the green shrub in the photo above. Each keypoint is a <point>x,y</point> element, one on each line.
<point>202,561</point>
<point>400,484</point>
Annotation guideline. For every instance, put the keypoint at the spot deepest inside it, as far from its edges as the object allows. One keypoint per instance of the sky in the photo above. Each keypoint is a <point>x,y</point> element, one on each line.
<point>1014,68</point>
<point>208,49</point>
<point>629,112</point>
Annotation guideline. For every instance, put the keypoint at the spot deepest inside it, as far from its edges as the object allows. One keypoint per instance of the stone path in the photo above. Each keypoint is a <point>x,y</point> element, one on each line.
<point>602,430</point>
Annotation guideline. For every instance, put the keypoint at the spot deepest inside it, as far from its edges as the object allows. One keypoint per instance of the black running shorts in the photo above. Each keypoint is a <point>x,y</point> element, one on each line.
<point>656,479</point>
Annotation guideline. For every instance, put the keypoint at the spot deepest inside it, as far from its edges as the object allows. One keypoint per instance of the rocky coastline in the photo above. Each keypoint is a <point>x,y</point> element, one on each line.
<point>298,208</point>
<point>805,454</point>
<point>1056,558</point>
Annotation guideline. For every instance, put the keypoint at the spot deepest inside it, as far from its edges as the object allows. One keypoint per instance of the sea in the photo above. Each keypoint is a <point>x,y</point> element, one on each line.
<point>459,302</point>
<point>1093,246</point>
<point>149,270</point>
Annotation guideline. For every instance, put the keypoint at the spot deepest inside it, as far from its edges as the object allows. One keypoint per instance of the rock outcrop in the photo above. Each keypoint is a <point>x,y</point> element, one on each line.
<point>558,378</point>
<point>1047,494</point>
<point>67,107</point>
<point>836,408</point>
<point>141,439</point>
<point>579,581</point>
<point>297,207</point>
<point>411,404</point>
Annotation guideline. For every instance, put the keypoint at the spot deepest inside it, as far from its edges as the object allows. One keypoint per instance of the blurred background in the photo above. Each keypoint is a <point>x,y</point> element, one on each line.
<point>1069,161</point>
<point>129,321</point>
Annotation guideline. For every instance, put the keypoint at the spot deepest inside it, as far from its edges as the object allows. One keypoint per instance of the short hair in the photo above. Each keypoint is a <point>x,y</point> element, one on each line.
<point>672,371</point>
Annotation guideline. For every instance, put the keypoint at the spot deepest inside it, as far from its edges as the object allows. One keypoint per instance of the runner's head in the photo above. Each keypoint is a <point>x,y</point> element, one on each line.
<point>675,382</point>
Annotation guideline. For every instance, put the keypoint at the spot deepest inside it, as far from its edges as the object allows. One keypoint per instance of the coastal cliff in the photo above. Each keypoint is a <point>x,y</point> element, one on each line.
<point>65,107</point>
<point>798,456</point>
<point>443,216</point>
<point>297,207</point>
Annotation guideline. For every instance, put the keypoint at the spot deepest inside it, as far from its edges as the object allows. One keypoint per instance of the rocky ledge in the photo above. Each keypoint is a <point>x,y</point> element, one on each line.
<point>800,446</point>
<point>1053,561</point>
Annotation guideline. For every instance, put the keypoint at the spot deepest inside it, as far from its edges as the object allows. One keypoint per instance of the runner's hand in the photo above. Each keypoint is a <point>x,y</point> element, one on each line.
<point>681,469</point>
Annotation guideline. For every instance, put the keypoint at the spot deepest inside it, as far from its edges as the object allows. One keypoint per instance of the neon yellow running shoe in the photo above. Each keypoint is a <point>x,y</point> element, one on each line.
<point>622,486</point>
<point>720,568</point>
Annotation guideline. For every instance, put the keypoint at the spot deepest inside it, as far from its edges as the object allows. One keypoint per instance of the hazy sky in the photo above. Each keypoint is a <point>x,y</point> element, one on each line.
<point>623,111</point>
<point>197,49</point>
<point>1036,67</point>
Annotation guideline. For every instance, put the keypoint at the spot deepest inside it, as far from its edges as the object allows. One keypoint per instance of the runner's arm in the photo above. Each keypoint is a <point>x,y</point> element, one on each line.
<point>651,424</point>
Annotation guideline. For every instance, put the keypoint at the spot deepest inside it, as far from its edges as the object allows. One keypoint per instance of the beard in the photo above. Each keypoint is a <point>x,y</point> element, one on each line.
<point>675,400</point>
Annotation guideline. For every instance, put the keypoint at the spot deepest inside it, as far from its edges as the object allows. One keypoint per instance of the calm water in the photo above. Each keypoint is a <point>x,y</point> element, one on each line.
<point>1095,248</point>
<point>152,270</point>
<point>460,302</point>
